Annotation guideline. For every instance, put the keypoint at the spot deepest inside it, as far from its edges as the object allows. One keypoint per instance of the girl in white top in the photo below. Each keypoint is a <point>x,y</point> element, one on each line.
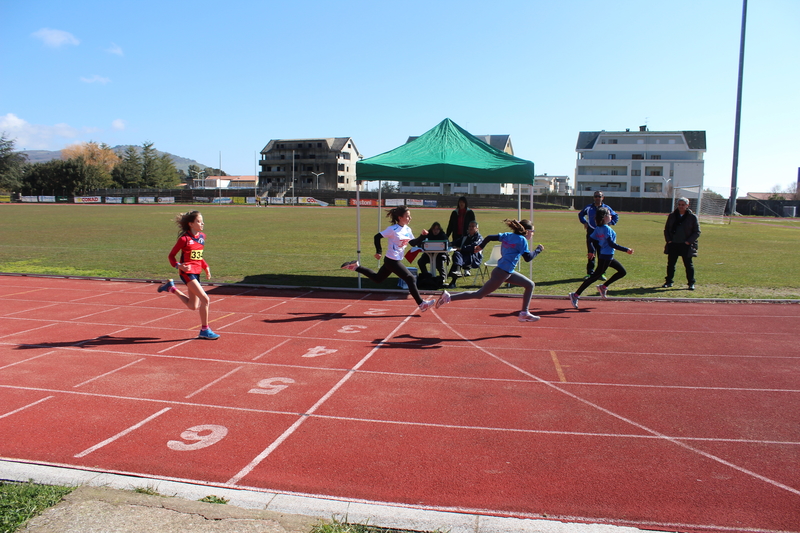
<point>399,235</point>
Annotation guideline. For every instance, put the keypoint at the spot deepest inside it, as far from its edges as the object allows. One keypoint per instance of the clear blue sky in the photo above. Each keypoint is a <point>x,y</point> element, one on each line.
<point>202,78</point>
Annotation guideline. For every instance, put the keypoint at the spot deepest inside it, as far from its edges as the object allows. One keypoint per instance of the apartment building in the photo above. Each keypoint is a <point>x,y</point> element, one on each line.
<point>640,163</point>
<point>324,163</point>
<point>500,142</point>
<point>544,184</point>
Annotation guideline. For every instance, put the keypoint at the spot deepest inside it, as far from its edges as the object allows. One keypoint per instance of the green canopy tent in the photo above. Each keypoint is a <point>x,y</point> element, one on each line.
<point>446,153</point>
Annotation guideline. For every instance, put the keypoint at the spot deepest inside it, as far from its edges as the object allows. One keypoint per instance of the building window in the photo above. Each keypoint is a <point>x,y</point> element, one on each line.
<point>637,156</point>
<point>612,141</point>
<point>636,172</point>
<point>614,172</point>
<point>654,173</point>
<point>612,156</point>
<point>639,141</point>
<point>340,167</point>
<point>654,156</point>
<point>653,187</point>
<point>340,179</point>
<point>635,189</point>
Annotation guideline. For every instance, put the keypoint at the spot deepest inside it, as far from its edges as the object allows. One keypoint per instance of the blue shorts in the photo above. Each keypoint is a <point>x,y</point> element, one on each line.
<point>187,278</point>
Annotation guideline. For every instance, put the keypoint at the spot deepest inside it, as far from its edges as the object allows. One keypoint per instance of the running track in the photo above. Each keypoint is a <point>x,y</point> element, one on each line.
<point>658,415</point>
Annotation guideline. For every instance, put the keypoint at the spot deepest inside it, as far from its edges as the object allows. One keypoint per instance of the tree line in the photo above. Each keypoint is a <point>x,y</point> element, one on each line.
<point>87,167</point>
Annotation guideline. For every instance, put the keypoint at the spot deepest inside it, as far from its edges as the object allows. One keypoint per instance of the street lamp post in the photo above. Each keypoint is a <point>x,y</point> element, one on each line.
<point>317,175</point>
<point>666,187</point>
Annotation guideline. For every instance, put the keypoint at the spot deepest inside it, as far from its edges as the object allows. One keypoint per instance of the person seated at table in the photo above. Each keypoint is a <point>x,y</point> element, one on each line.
<point>465,257</point>
<point>435,233</point>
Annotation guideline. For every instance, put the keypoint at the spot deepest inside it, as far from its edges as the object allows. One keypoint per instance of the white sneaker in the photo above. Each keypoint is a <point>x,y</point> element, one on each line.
<point>574,299</point>
<point>426,304</point>
<point>525,316</point>
<point>350,265</point>
<point>603,291</point>
<point>444,299</point>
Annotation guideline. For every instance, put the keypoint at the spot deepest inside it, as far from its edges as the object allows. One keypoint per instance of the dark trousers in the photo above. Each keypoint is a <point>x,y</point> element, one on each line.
<point>603,262</point>
<point>390,266</point>
<point>590,249</point>
<point>676,250</point>
<point>424,261</point>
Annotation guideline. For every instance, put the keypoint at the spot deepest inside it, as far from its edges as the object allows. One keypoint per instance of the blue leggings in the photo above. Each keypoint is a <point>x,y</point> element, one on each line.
<point>496,279</point>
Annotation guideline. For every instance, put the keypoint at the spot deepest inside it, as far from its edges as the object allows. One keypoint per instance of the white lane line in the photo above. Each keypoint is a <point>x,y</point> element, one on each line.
<point>108,373</point>
<point>25,407</point>
<point>286,434</point>
<point>201,389</point>
<point>121,434</point>
<point>559,388</point>
<point>256,358</point>
<point>26,360</point>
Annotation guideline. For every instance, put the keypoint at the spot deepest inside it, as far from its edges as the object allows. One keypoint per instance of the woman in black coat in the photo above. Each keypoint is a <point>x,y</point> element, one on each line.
<point>681,233</point>
<point>459,222</point>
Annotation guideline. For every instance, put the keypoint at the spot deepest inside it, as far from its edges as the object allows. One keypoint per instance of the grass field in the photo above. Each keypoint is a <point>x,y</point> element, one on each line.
<point>750,258</point>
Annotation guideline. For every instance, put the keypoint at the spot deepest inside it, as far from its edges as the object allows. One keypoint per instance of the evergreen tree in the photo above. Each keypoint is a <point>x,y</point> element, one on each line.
<point>11,165</point>
<point>166,173</point>
<point>127,174</point>
<point>150,166</point>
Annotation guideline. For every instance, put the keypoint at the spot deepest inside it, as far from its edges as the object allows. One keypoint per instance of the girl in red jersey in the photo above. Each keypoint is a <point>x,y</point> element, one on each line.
<point>191,241</point>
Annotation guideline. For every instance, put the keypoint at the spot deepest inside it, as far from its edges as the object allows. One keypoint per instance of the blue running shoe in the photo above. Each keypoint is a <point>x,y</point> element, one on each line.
<point>167,286</point>
<point>208,335</point>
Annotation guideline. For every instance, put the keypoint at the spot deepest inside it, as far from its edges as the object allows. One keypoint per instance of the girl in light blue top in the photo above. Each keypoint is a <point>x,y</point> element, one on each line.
<point>605,240</point>
<point>513,245</point>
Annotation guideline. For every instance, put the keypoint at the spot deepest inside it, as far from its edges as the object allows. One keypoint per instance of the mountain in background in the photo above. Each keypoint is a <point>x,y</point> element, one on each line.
<point>181,163</point>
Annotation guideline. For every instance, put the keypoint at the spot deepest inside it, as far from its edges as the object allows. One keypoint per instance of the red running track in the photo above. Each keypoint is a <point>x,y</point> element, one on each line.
<point>669,416</point>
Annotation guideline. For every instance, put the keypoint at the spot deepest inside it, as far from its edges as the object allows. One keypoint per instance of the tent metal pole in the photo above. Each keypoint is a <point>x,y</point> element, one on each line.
<point>358,227</point>
<point>530,244</point>
<point>379,205</point>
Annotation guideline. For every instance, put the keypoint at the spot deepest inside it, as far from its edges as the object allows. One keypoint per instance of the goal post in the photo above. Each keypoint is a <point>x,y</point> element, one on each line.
<point>708,206</point>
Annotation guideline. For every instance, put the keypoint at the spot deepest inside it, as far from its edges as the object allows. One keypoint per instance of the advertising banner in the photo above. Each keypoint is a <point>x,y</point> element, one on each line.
<point>431,203</point>
<point>275,201</point>
<point>31,199</point>
<point>394,202</point>
<point>5,198</point>
<point>308,200</point>
<point>48,199</point>
<point>147,200</point>
<point>88,199</point>
<point>129,200</point>
<point>113,199</point>
<point>222,200</point>
<point>340,202</point>
<point>238,200</point>
<point>365,202</point>
<point>166,199</point>
<point>414,201</point>
<point>62,198</point>
<point>251,200</point>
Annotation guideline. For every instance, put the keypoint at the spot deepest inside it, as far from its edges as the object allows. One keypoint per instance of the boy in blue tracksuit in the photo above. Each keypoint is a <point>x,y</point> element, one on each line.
<point>605,241</point>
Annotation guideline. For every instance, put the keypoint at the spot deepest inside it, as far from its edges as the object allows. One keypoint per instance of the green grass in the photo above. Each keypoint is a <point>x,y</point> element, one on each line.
<point>19,502</point>
<point>337,526</point>
<point>304,246</point>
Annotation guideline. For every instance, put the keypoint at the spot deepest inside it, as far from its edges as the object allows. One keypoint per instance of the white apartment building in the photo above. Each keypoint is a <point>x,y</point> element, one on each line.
<point>500,142</point>
<point>638,163</point>
<point>544,184</point>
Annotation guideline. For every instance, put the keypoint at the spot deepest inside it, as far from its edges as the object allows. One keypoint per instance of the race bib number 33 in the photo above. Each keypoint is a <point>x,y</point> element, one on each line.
<point>196,255</point>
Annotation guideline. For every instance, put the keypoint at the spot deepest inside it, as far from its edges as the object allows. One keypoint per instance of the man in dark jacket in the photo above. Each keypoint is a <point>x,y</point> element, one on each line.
<point>465,256</point>
<point>681,233</point>
<point>459,222</point>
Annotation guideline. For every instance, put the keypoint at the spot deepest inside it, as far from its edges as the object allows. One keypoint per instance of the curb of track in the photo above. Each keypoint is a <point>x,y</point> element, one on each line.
<point>403,291</point>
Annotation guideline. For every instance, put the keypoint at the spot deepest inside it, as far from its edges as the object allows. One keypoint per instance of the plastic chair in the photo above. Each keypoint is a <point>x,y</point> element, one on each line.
<point>483,270</point>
